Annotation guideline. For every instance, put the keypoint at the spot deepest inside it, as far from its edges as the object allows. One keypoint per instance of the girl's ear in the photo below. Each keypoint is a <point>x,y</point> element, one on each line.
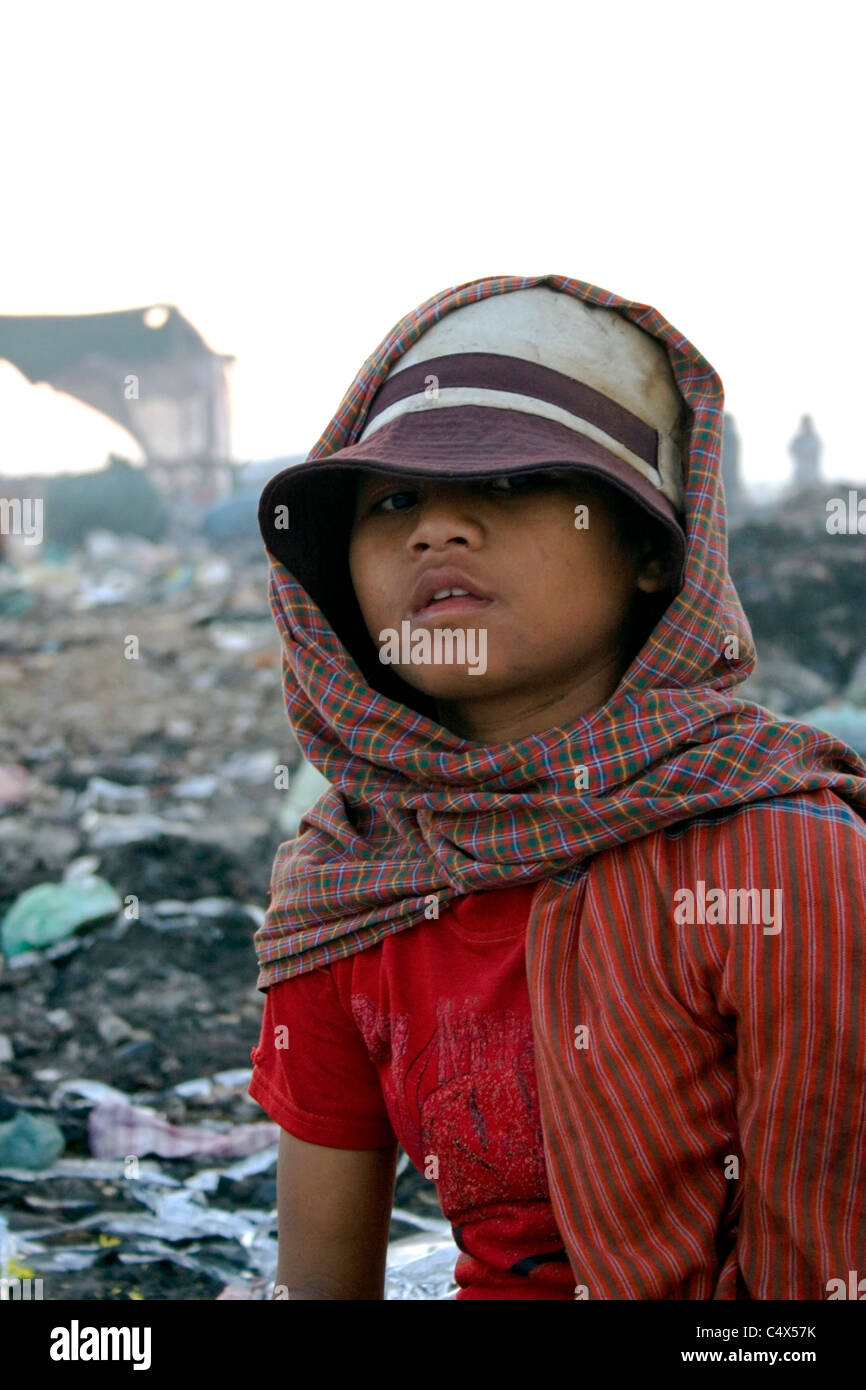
<point>653,569</point>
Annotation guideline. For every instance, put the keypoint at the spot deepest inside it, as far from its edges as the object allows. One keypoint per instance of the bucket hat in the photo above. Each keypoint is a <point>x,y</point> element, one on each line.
<point>517,382</point>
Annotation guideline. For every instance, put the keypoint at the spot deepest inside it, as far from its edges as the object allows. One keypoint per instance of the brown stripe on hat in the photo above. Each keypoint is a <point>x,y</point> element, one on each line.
<point>510,377</point>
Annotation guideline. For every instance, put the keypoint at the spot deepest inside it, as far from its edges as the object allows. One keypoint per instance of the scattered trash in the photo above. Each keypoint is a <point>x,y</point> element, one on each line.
<point>15,784</point>
<point>256,768</point>
<point>197,788</point>
<point>91,1170</point>
<point>50,911</point>
<point>843,719</point>
<point>113,1029</point>
<point>103,795</point>
<point>143,726</point>
<point>182,1214</point>
<point>208,1179</point>
<point>246,637</point>
<point>30,1141</point>
<point>89,1090</point>
<point>855,691</point>
<point>422,1267</point>
<point>119,1129</point>
<point>307,786</point>
<point>103,829</point>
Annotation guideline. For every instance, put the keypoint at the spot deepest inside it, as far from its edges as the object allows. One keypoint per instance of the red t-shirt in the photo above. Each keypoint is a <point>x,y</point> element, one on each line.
<point>427,1037</point>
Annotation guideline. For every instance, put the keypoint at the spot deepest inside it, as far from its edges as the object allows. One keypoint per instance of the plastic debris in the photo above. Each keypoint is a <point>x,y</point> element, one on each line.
<point>193,1258</point>
<point>5,1247</point>
<point>257,767</point>
<point>197,788</point>
<point>208,1180</point>
<point>306,787</point>
<point>117,1129</point>
<point>30,1141</point>
<point>104,829</point>
<point>422,1267</point>
<point>240,637</point>
<point>103,795</point>
<point>48,912</point>
<point>183,1215</point>
<point>93,1170</point>
<point>844,719</point>
<point>179,1225</point>
<point>256,1289</point>
<point>235,1076</point>
<point>88,1089</point>
<point>15,784</point>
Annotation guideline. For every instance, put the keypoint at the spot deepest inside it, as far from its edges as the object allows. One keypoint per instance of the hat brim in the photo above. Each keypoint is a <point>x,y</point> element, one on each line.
<point>457,442</point>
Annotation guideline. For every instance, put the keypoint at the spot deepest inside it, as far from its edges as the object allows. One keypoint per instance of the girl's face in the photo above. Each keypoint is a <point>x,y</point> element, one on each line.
<point>555,589</point>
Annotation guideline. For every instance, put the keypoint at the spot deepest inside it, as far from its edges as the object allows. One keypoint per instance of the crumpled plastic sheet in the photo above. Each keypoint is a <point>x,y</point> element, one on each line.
<point>96,1169</point>
<point>89,1089</point>
<point>200,1262</point>
<point>420,1266</point>
<point>66,1259</point>
<point>183,1215</point>
<point>172,914</point>
<point>105,828</point>
<point>118,1128</point>
<point>176,1216</point>
<point>203,1085</point>
<point>208,1179</point>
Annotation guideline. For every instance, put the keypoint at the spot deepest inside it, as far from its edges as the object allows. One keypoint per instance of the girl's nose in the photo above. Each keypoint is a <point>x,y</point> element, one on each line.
<point>445,517</point>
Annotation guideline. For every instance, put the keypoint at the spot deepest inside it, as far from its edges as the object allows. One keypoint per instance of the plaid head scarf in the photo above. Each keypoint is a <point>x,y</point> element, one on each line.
<point>414,811</point>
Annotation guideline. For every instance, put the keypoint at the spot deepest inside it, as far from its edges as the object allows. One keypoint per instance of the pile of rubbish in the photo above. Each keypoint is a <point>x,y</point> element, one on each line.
<point>129,1166</point>
<point>147,777</point>
<point>117,1223</point>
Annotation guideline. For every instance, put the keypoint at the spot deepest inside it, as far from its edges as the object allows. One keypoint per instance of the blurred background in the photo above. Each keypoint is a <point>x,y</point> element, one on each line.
<point>213,215</point>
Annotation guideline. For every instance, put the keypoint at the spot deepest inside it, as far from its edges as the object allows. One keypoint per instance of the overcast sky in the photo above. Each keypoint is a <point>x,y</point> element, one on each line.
<point>296,181</point>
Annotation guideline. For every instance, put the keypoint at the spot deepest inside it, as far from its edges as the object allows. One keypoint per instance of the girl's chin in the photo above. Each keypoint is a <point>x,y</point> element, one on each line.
<point>455,685</point>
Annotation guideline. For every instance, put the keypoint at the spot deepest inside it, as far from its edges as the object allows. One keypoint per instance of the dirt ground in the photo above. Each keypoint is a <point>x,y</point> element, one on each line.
<point>142,734</point>
<point>189,732</point>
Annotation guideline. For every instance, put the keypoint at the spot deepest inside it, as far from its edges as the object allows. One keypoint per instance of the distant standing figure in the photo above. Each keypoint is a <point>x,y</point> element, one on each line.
<point>805,449</point>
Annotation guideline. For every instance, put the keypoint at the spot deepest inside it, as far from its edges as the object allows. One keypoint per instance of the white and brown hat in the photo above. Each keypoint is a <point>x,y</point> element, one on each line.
<point>515,382</point>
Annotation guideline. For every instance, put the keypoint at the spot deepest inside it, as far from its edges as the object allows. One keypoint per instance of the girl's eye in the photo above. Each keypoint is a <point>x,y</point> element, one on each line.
<point>506,482</point>
<point>389,497</point>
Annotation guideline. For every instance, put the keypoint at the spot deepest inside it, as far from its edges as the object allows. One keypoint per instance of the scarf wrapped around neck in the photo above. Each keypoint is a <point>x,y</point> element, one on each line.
<point>416,815</point>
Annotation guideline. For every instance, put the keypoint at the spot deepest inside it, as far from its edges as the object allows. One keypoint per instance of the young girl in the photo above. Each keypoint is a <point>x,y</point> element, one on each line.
<point>576,926</point>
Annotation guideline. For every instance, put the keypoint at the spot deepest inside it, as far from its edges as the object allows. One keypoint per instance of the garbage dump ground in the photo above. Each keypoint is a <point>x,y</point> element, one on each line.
<point>141,729</point>
<point>154,775</point>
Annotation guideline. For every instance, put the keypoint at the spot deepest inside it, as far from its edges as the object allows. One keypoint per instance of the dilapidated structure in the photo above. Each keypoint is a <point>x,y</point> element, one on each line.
<point>149,370</point>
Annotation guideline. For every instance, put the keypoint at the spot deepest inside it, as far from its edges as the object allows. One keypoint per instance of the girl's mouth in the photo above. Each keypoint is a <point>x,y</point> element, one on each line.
<point>457,603</point>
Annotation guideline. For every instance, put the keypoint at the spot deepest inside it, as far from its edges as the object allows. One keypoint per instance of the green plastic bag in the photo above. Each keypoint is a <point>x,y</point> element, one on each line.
<point>50,911</point>
<point>30,1141</point>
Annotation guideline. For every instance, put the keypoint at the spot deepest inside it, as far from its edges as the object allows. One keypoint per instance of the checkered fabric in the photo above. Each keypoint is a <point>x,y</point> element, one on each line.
<point>414,810</point>
<point>665,1053</point>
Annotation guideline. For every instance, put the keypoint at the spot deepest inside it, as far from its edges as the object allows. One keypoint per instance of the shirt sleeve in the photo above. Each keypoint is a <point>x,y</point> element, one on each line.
<point>312,1073</point>
<point>797,987</point>
<point>706,1125</point>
